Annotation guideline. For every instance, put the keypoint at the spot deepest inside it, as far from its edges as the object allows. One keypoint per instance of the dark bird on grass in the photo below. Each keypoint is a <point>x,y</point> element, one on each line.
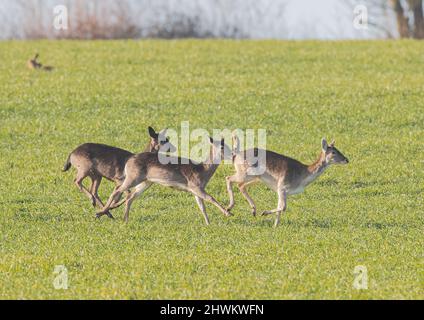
<point>33,64</point>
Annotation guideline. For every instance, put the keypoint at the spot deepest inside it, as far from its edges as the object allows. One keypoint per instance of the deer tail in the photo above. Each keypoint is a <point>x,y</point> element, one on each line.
<point>67,165</point>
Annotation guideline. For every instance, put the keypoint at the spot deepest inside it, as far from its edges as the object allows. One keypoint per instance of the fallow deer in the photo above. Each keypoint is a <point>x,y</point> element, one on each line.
<point>99,161</point>
<point>284,175</point>
<point>145,169</point>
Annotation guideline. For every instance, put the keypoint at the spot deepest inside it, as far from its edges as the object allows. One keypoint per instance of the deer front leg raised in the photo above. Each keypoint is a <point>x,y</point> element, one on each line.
<point>243,181</point>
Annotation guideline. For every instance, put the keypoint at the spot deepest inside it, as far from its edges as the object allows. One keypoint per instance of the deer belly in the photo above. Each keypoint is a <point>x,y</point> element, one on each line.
<point>269,181</point>
<point>171,184</point>
<point>296,190</point>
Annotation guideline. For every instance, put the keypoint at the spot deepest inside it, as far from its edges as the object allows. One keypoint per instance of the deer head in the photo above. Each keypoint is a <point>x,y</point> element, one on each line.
<point>332,154</point>
<point>159,141</point>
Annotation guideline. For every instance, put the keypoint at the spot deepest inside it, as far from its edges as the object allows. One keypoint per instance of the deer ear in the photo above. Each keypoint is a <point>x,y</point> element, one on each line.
<point>332,143</point>
<point>324,144</point>
<point>164,131</point>
<point>152,133</point>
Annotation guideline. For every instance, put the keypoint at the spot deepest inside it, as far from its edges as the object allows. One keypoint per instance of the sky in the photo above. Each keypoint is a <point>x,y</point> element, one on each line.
<point>309,18</point>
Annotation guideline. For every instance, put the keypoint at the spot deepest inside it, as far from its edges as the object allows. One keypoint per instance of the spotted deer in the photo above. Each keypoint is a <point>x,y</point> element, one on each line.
<point>145,169</point>
<point>284,175</point>
<point>98,161</point>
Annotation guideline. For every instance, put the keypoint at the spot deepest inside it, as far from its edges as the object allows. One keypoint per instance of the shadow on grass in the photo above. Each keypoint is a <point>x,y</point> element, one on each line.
<point>268,222</point>
<point>42,217</point>
<point>328,182</point>
<point>143,218</point>
<point>382,225</point>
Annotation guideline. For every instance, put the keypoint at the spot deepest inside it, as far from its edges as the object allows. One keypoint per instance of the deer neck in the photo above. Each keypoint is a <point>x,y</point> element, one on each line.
<point>211,164</point>
<point>148,148</point>
<point>316,169</point>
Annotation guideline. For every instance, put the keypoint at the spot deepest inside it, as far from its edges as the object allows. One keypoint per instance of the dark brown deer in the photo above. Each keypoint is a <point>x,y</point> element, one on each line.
<point>284,175</point>
<point>145,169</point>
<point>98,161</point>
<point>34,65</point>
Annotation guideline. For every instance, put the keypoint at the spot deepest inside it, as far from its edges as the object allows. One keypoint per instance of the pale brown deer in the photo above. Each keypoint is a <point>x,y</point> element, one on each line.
<point>284,175</point>
<point>145,169</point>
<point>98,161</point>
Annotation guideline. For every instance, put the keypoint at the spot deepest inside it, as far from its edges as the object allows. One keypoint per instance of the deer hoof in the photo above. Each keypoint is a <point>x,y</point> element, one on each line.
<point>110,216</point>
<point>254,212</point>
<point>99,215</point>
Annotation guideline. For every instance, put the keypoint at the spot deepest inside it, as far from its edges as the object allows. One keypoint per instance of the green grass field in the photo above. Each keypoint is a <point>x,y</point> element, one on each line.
<point>367,95</point>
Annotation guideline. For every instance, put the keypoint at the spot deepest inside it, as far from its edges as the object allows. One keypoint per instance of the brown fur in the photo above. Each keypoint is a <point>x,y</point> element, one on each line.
<point>34,65</point>
<point>144,169</point>
<point>99,161</point>
<point>284,175</point>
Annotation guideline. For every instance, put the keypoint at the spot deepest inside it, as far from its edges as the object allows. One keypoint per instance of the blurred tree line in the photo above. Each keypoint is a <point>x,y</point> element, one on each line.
<point>409,16</point>
<point>117,19</point>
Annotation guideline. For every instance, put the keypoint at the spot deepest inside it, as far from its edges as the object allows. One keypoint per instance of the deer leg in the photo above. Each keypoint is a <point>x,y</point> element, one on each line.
<point>282,206</point>
<point>230,191</point>
<point>139,189</point>
<point>78,182</point>
<point>115,205</point>
<point>202,208</point>
<point>127,192</point>
<point>96,180</point>
<point>207,197</point>
<point>243,190</point>
<point>242,181</point>
<point>114,197</point>
<point>120,203</point>
<point>95,183</point>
